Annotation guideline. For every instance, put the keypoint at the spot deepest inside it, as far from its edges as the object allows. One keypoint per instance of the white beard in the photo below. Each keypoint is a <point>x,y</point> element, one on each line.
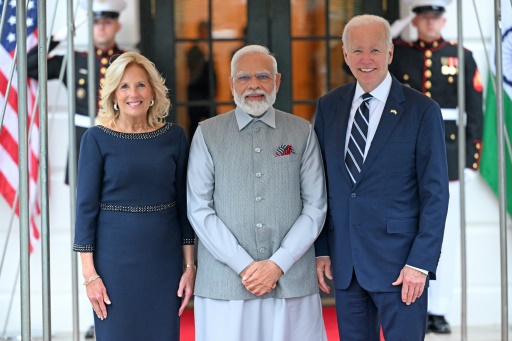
<point>255,108</point>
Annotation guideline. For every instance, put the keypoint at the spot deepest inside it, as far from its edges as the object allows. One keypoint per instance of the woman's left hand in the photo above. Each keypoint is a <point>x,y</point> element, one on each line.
<point>186,288</point>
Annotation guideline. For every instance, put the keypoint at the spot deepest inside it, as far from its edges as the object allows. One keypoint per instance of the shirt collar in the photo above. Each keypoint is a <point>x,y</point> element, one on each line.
<point>381,92</point>
<point>243,118</point>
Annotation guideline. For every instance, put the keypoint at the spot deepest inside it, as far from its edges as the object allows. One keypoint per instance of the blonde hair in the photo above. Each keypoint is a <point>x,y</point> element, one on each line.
<point>156,113</point>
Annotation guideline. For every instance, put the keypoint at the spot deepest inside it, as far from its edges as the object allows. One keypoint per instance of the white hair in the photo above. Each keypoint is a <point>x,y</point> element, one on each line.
<point>248,50</point>
<point>365,20</point>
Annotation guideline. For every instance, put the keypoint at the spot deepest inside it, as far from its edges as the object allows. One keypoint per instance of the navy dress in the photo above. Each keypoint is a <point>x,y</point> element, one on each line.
<point>131,213</point>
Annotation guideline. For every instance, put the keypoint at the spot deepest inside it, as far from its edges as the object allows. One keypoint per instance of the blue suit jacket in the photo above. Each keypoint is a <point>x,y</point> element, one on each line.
<point>395,213</point>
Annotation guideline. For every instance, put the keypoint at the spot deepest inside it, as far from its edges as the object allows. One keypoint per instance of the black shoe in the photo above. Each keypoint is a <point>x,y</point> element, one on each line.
<point>89,334</point>
<point>438,324</point>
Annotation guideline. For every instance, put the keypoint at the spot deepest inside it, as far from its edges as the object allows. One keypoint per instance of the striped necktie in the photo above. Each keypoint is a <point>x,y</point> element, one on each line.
<point>356,145</point>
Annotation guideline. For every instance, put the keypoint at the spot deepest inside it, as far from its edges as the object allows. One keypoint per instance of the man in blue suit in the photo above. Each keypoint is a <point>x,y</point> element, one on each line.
<point>387,177</point>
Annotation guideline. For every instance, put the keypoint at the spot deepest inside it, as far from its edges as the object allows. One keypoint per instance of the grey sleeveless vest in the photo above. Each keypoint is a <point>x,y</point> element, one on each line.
<point>257,196</point>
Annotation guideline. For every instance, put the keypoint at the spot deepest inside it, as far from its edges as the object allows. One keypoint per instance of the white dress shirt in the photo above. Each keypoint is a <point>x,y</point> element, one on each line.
<point>380,96</point>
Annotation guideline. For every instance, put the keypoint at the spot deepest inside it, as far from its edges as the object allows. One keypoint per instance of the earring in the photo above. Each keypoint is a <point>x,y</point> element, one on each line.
<point>116,107</point>
<point>152,103</point>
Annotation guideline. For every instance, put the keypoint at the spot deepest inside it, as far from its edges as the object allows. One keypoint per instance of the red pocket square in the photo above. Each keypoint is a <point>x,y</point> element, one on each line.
<point>285,149</point>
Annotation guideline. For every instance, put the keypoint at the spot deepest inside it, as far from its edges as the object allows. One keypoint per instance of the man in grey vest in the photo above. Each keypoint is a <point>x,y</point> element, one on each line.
<point>257,201</point>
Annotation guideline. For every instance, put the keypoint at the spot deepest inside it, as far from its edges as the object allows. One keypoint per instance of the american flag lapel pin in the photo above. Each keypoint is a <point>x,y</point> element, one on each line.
<point>393,111</point>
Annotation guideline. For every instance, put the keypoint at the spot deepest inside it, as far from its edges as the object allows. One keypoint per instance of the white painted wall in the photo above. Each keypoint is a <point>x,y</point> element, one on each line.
<point>482,212</point>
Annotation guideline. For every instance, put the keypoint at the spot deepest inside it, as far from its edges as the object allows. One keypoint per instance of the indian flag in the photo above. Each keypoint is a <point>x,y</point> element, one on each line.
<point>489,161</point>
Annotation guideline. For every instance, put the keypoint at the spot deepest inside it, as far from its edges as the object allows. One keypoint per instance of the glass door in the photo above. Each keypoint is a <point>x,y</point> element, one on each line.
<point>192,42</point>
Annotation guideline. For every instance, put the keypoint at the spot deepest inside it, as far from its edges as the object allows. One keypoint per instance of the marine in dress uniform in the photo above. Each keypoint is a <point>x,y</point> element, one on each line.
<point>431,66</point>
<point>102,9</point>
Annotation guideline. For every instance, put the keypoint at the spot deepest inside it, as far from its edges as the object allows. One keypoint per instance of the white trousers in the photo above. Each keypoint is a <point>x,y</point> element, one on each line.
<point>440,291</point>
<point>269,319</point>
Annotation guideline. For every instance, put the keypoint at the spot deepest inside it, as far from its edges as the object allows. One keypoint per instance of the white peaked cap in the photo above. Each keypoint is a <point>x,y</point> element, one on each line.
<point>105,6</point>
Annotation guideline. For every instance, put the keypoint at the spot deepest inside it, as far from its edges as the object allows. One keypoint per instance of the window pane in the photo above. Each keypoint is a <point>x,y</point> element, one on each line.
<point>308,69</point>
<point>229,19</point>
<point>224,108</point>
<point>188,14</point>
<point>306,111</point>
<point>339,72</point>
<point>340,12</point>
<point>308,18</point>
<point>193,90</point>
<point>222,53</point>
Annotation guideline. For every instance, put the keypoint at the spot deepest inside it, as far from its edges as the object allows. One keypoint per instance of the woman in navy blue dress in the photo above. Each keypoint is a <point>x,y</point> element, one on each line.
<point>132,232</point>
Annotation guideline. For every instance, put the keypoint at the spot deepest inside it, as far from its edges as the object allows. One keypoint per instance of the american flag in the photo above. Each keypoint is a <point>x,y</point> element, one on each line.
<point>9,175</point>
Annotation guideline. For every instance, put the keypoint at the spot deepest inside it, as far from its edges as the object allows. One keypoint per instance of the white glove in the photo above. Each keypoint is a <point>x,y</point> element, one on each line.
<point>399,25</point>
<point>469,175</point>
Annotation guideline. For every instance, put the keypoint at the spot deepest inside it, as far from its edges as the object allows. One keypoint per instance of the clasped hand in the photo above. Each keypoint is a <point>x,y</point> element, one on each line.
<point>260,278</point>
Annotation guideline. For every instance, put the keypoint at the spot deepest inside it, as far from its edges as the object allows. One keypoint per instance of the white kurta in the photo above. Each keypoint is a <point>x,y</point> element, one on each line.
<point>269,319</point>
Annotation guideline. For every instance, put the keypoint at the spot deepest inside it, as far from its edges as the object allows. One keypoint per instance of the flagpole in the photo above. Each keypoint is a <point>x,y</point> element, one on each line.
<point>461,104</point>
<point>43,167</point>
<point>500,122</point>
<point>91,65</point>
<point>72,162</point>
<point>21,46</point>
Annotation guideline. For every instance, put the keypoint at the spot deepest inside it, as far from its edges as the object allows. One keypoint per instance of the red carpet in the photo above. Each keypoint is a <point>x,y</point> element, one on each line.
<point>331,325</point>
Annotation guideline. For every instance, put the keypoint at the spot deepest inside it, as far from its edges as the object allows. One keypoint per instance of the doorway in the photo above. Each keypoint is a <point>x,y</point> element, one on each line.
<point>192,42</point>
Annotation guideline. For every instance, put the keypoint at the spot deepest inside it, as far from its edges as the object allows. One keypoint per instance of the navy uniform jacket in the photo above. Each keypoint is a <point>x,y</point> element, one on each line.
<point>432,69</point>
<point>81,79</point>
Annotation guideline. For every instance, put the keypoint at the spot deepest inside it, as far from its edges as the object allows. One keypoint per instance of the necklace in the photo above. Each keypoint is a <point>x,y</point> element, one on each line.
<point>142,129</point>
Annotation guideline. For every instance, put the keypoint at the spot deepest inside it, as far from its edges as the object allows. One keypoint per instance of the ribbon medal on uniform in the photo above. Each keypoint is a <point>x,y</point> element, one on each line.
<point>449,66</point>
<point>285,149</point>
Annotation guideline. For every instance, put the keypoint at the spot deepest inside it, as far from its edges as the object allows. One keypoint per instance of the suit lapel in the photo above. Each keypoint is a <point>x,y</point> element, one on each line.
<point>391,114</point>
<point>343,107</point>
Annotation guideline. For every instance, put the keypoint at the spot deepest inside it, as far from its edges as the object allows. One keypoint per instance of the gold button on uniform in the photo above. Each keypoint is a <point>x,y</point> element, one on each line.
<point>428,73</point>
<point>110,52</point>
<point>428,84</point>
<point>428,53</point>
<point>428,62</point>
<point>81,81</point>
<point>452,137</point>
<point>99,52</point>
<point>450,79</point>
<point>422,44</point>
<point>435,44</point>
<point>104,61</point>
<point>475,166</point>
<point>478,146</point>
<point>103,70</point>
<point>100,103</point>
<point>102,81</point>
<point>477,156</point>
<point>406,77</point>
<point>428,94</point>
